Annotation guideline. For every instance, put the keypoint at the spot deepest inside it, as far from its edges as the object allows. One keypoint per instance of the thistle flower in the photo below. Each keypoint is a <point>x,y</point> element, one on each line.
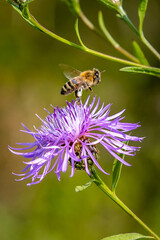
<point>69,136</point>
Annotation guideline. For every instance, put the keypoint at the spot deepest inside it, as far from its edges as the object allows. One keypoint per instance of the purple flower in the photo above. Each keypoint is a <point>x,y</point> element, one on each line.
<point>70,135</point>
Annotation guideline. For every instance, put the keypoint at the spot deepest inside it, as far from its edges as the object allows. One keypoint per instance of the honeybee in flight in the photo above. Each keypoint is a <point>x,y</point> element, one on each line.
<point>79,80</point>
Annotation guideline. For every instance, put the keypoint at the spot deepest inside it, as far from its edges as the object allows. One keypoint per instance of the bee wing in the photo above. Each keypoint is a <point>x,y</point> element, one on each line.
<point>69,72</point>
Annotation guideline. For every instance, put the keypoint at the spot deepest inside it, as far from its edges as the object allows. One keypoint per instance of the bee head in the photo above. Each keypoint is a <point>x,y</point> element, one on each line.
<point>96,76</point>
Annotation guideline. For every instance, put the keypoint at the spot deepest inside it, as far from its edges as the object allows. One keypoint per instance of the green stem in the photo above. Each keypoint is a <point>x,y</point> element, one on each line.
<point>125,17</point>
<point>112,195</point>
<point>86,49</point>
<point>88,23</point>
<point>152,49</point>
<point>114,43</point>
<point>106,36</point>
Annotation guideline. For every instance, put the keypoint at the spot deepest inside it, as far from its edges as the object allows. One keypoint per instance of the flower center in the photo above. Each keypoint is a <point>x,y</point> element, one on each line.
<point>78,151</point>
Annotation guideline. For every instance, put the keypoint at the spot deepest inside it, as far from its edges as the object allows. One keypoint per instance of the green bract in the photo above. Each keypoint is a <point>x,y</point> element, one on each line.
<point>73,6</point>
<point>114,4</point>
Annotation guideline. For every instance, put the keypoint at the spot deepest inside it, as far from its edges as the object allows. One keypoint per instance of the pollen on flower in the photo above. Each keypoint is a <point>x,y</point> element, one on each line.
<point>70,136</point>
<point>78,151</point>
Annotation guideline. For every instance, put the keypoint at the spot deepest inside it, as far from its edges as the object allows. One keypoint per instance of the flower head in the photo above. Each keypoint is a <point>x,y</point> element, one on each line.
<point>70,135</point>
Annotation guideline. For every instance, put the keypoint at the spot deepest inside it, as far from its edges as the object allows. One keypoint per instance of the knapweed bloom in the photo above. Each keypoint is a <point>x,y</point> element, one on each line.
<point>69,136</point>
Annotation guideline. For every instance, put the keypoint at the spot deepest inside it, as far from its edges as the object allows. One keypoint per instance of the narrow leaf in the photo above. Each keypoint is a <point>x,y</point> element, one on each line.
<point>141,13</point>
<point>83,187</point>
<point>128,236</point>
<point>139,54</point>
<point>78,35</point>
<point>117,166</point>
<point>105,30</point>
<point>144,70</point>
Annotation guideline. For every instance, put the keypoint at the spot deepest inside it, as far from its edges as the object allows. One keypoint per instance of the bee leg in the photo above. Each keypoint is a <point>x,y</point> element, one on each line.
<point>78,92</point>
<point>88,85</point>
<point>78,95</point>
<point>90,89</point>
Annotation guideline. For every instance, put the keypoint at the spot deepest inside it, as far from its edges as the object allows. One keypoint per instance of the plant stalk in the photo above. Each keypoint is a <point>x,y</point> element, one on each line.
<point>150,47</point>
<point>114,43</point>
<point>37,25</point>
<point>125,17</point>
<point>112,195</point>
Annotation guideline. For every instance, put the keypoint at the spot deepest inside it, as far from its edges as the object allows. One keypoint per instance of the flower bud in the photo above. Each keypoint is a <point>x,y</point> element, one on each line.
<point>114,4</point>
<point>21,2</point>
<point>73,6</point>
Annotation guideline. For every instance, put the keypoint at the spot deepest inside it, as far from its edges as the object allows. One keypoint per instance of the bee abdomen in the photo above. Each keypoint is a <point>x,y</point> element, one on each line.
<point>67,88</point>
<point>63,91</point>
<point>71,83</point>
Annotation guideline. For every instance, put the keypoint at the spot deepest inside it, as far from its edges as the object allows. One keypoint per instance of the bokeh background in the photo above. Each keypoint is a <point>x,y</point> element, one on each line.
<point>30,80</point>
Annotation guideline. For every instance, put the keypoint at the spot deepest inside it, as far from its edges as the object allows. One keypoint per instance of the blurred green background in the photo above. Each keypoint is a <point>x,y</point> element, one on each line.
<point>30,80</point>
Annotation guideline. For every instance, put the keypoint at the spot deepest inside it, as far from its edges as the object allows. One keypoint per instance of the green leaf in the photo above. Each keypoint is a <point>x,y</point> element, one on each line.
<point>117,166</point>
<point>83,187</point>
<point>141,13</point>
<point>78,35</point>
<point>116,170</point>
<point>105,30</point>
<point>139,54</point>
<point>145,70</point>
<point>128,236</point>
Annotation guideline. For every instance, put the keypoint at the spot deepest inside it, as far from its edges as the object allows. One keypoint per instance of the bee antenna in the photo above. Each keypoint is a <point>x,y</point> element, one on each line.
<point>103,71</point>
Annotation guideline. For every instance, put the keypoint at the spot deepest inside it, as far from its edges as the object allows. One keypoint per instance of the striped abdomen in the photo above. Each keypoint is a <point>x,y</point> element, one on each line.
<point>69,87</point>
